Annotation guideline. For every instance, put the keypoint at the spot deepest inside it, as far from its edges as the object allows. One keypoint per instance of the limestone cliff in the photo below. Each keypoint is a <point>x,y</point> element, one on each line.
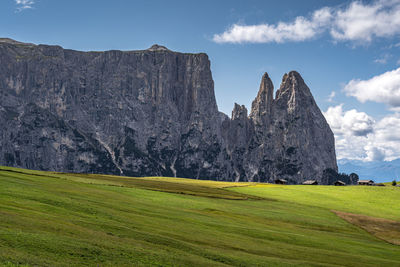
<point>152,112</point>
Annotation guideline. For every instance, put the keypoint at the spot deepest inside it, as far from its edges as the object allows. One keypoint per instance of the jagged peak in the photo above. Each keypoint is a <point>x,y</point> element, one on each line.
<point>293,77</point>
<point>263,102</point>
<point>294,82</point>
<point>157,47</point>
<point>239,111</point>
<point>266,85</point>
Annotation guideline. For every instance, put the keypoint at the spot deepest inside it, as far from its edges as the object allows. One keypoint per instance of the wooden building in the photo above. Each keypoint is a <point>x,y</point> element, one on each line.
<point>339,183</point>
<point>310,182</point>
<point>280,181</point>
<point>365,182</point>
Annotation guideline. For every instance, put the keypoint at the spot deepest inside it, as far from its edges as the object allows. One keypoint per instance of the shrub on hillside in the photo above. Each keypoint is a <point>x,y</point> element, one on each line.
<point>394,183</point>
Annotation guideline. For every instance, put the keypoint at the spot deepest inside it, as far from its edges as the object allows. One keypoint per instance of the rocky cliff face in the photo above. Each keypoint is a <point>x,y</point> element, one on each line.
<point>152,112</point>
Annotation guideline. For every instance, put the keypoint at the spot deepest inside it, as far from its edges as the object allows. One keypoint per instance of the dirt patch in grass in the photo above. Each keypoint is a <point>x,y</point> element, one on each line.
<point>384,229</point>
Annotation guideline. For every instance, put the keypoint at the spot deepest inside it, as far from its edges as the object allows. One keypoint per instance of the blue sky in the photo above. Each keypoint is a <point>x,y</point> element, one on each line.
<point>348,52</point>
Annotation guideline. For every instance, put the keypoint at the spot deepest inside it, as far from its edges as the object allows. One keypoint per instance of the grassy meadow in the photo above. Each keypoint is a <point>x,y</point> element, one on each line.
<point>60,219</point>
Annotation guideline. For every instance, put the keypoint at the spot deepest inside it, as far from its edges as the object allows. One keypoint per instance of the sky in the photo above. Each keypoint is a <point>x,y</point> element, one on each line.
<point>348,52</point>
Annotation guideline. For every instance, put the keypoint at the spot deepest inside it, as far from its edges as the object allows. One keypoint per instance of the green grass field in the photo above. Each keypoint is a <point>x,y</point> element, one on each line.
<point>56,219</point>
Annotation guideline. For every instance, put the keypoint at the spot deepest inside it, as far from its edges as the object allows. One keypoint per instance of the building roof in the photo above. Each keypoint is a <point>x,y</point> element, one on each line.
<point>281,180</point>
<point>339,182</point>
<point>310,182</point>
<point>365,181</point>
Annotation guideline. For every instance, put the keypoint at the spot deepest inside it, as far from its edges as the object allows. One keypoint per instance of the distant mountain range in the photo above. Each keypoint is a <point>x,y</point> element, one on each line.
<point>379,171</point>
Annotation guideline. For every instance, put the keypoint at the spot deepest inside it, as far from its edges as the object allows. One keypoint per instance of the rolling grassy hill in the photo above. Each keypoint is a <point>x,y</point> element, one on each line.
<point>59,219</point>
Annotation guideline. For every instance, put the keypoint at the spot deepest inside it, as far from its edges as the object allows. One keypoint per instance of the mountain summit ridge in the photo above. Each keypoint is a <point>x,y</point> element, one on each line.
<point>153,114</point>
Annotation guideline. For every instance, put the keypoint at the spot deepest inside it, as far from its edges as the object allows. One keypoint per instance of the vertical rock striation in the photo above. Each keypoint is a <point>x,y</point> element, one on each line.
<point>152,112</point>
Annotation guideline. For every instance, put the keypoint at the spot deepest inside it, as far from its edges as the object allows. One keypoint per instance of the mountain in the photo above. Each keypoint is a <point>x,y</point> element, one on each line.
<point>152,113</point>
<point>379,171</point>
<point>286,137</point>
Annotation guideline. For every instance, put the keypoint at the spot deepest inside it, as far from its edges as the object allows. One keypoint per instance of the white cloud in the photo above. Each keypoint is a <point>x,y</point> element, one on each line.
<point>374,153</point>
<point>299,30</point>
<point>359,136</point>
<point>24,4</point>
<point>350,122</point>
<point>356,22</point>
<point>385,141</point>
<point>331,96</point>
<point>362,22</point>
<point>384,88</point>
<point>383,60</point>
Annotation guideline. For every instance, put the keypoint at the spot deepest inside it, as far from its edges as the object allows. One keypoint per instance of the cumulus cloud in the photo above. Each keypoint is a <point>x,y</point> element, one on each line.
<point>350,122</point>
<point>359,136</point>
<point>362,22</point>
<point>388,128</point>
<point>356,22</point>
<point>385,142</point>
<point>24,4</point>
<point>374,153</point>
<point>299,30</point>
<point>331,96</point>
<point>384,88</point>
